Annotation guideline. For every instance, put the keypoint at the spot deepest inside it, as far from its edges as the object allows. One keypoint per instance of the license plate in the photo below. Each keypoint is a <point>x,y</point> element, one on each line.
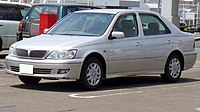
<point>25,69</point>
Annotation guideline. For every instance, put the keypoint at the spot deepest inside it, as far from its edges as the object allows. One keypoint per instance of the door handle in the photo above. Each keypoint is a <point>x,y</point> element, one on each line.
<point>138,44</point>
<point>168,41</point>
<point>1,25</point>
<point>172,42</point>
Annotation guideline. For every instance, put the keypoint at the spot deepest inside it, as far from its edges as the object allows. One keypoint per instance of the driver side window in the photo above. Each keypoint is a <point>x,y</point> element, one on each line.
<point>128,25</point>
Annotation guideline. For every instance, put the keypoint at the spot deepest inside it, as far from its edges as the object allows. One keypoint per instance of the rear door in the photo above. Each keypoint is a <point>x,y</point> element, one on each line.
<point>9,21</point>
<point>157,42</point>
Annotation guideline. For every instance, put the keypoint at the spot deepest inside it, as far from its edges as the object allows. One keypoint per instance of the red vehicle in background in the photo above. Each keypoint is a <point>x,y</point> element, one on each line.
<point>30,24</point>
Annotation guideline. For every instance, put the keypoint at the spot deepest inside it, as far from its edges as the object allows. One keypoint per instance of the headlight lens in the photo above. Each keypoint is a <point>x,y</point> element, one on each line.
<point>65,54</point>
<point>12,51</point>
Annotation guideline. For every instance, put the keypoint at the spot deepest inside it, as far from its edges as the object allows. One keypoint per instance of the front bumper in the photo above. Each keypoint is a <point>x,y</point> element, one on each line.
<point>45,68</point>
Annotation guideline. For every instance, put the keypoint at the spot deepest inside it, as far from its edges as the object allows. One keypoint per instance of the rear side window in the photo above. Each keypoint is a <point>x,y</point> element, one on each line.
<point>9,13</point>
<point>23,11</point>
<point>70,9</point>
<point>37,10</point>
<point>85,8</point>
<point>152,25</point>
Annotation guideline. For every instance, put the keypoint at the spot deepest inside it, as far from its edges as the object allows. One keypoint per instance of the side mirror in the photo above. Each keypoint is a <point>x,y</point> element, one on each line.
<point>46,30</point>
<point>117,34</point>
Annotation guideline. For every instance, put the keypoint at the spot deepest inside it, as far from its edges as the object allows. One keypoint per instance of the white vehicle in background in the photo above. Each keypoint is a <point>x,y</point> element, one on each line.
<point>10,16</point>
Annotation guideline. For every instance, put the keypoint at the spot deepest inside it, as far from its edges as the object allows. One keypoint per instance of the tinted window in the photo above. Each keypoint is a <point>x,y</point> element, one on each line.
<point>24,10</point>
<point>128,25</point>
<point>9,13</point>
<point>37,10</point>
<point>75,8</point>
<point>71,9</point>
<point>152,25</point>
<point>85,8</point>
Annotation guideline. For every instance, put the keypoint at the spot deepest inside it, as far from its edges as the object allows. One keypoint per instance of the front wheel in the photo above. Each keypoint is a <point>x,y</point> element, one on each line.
<point>91,74</point>
<point>29,80</point>
<point>173,69</point>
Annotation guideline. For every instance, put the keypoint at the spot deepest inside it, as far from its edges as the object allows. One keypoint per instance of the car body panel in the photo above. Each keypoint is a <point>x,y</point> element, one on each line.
<point>8,32</point>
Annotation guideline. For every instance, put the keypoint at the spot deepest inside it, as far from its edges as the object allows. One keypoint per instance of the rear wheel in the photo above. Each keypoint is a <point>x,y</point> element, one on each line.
<point>173,69</point>
<point>29,80</point>
<point>91,74</point>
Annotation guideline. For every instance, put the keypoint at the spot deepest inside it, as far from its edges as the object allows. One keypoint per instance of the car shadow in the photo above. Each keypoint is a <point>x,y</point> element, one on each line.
<point>109,84</point>
<point>3,56</point>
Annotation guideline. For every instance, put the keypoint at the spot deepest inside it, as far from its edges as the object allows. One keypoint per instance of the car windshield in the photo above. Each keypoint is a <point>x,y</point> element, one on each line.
<point>37,10</point>
<point>83,24</point>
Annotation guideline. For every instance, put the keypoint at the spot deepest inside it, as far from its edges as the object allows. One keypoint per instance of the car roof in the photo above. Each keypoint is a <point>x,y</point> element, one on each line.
<point>115,11</point>
<point>62,4</point>
<point>14,3</point>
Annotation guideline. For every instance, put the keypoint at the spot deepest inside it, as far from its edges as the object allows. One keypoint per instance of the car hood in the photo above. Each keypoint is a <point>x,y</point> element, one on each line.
<point>54,42</point>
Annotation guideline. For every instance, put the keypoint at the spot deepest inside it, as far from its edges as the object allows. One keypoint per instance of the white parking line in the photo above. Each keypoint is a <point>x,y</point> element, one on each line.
<point>2,84</point>
<point>198,109</point>
<point>104,95</point>
<point>117,92</point>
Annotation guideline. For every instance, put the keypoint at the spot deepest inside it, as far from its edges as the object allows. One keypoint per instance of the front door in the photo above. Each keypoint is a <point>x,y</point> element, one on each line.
<point>124,55</point>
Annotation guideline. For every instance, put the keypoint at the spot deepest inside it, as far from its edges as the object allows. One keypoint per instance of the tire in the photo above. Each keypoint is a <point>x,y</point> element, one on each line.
<point>29,80</point>
<point>91,74</point>
<point>173,69</point>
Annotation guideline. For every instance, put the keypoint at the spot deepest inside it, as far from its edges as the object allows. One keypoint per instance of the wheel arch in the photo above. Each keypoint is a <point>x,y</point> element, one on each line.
<point>179,53</point>
<point>100,58</point>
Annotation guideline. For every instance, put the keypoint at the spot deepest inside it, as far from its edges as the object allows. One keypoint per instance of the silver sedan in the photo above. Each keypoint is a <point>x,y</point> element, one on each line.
<point>93,45</point>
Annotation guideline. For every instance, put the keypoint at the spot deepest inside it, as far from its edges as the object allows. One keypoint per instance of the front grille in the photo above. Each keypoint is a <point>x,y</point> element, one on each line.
<point>35,70</point>
<point>37,54</point>
<point>22,52</point>
<point>31,54</point>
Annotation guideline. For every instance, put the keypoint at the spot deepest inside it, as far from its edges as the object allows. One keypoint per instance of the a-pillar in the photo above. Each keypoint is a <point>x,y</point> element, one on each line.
<point>170,11</point>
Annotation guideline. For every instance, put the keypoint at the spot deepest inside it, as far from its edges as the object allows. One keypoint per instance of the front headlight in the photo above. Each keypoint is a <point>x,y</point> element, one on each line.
<point>12,51</point>
<point>64,54</point>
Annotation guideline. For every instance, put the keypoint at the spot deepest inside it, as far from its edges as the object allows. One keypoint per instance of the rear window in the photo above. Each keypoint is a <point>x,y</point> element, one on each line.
<point>9,13</point>
<point>37,10</point>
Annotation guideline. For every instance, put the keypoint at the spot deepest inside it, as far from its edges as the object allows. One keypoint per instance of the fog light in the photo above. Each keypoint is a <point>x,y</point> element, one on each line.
<point>63,71</point>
